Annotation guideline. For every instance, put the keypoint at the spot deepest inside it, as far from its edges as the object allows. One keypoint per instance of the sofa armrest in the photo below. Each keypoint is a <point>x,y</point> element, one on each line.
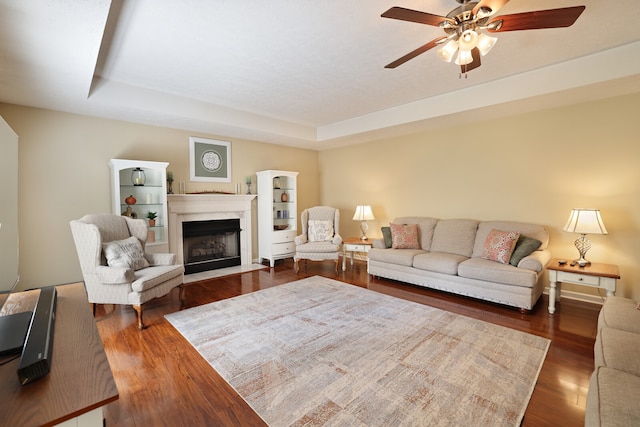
<point>114,275</point>
<point>537,261</point>
<point>378,244</point>
<point>160,259</point>
<point>301,239</point>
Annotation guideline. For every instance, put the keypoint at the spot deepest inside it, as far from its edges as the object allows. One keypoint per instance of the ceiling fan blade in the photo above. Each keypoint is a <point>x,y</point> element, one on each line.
<point>414,53</point>
<point>494,5</point>
<point>475,54</point>
<point>415,16</point>
<point>551,18</point>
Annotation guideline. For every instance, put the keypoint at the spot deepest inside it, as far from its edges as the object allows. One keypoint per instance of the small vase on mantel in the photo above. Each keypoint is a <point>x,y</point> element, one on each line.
<point>284,197</point>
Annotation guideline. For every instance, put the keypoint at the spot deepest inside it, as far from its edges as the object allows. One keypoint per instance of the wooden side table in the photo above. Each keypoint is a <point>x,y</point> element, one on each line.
<point>601,276</point>
<point>354,244</point>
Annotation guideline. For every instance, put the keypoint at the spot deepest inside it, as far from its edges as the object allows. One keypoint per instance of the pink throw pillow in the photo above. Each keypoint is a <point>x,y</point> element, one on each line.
<point>404,236</point>
<point>499,245</point>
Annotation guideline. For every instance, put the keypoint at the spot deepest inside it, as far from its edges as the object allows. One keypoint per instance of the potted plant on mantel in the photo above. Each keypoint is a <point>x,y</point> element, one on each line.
<point>152,218</point>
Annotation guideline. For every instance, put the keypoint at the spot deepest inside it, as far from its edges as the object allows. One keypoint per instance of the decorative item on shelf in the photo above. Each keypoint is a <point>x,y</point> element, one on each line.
<point>584,221</point>
<point>276,182</point>
<point>138,177</point>
<point>363,213</point>
<point>130,200</point>
<point>248,181</point>
<point>284,197</point>
<point>129,212</point>
<point>169,182</point>
<point>281,227</point>
<point>152,218</point>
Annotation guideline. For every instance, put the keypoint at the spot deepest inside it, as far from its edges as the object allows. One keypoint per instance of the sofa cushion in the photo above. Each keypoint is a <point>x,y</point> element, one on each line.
<point>454,236</point>
<point>619,313</point>
<point>425,228</point>
<point>386,235</point>
<point>499,245</point>
<point>530,230</point>
<point>483,269</point>
<point>395,256</point>
<point>438,262</point>
<point>524,247</point>
<point>618,350</point>
<point>612,399</point>
<point>404,236</point>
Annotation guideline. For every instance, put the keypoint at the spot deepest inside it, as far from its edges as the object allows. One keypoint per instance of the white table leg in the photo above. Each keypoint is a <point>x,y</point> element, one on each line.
<point>344,259</point>
<point>352,252</point>
<point>552,297</point>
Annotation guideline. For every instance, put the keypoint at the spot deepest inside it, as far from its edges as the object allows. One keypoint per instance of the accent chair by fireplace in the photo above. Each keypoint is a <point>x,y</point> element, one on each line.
<point>115,267</point>
<point>320,239</point>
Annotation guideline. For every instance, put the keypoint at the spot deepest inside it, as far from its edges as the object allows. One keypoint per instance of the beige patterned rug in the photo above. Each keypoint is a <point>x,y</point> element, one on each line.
<point>321,352</point>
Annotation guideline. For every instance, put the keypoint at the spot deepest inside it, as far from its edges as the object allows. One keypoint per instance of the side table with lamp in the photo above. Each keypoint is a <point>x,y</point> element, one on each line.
<point>581,271</point>
<point>362,244</point>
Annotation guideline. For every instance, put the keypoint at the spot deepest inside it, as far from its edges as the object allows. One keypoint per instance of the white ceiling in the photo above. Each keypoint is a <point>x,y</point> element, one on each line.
<point>299,72</point>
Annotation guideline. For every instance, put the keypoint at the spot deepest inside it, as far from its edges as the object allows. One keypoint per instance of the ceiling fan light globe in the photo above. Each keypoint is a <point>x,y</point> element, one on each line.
<point>447,51</point>
<point>468,40</point>
<point>464,57</point>
<point>486,43</point>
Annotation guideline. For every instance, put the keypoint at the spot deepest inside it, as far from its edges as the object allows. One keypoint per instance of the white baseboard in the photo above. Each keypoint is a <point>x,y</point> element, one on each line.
<point>579,296</point>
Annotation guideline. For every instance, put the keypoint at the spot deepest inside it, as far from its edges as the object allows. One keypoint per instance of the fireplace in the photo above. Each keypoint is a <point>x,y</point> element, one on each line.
<point>210,231</point>
<point>209,245</point>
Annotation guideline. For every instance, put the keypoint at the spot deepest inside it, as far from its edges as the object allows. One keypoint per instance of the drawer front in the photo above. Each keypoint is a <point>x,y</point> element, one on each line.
<point>283,236</point>
<point>283,248</point>
<point>357,248</point>
<point>580,279</point>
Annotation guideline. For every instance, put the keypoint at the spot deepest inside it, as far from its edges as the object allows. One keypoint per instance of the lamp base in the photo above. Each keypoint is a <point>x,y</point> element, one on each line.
<point>583,245</point>
<point>364,227</point>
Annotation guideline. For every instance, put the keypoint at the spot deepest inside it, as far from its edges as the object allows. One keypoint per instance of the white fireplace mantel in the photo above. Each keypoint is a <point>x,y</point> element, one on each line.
<point>206,207</point>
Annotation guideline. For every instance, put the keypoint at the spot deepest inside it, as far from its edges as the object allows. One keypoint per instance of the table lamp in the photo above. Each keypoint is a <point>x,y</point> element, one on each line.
<point>363,213</point>
<point>584,221</point>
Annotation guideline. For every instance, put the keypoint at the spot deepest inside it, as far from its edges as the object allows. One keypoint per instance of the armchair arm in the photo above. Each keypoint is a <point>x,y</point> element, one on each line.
<point>301,239</point>
<point>114,275</point>
<point>337,239</point>
<point>160,259</point>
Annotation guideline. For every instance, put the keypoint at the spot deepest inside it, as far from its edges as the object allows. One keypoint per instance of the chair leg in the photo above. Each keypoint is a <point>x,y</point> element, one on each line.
<point>181,295</point>
<point>138,309</point>
<point>295,265</point>
<point>337,261</point>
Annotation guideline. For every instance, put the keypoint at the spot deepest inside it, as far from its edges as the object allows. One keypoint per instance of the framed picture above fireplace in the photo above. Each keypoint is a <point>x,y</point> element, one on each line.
<point>209,160</point>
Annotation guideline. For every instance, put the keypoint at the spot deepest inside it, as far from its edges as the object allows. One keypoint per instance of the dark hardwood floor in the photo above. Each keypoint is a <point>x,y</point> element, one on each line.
<point>163,381</point>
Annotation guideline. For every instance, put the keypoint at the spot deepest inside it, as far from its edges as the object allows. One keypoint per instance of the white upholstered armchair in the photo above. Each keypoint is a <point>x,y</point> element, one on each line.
<point>115,267</point>
<point>320,239</point>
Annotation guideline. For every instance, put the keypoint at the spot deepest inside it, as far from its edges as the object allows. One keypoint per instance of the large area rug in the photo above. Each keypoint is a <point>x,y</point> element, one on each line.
<point>321,352</point>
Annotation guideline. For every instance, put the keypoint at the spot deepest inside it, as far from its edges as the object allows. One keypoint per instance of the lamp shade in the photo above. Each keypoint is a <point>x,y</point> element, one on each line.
<point>585,221</point>
<point>363,213</point>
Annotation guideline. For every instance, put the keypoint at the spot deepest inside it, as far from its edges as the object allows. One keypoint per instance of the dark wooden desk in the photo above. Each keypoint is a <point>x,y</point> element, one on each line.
<point>80,382</point>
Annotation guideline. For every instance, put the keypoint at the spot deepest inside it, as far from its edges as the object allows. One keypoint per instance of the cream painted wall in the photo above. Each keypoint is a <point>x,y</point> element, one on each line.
<point>64,174</point>
<point>533,168</point>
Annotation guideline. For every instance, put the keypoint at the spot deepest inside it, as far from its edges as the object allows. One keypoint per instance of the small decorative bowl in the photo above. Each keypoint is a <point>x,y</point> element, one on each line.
<point>280,227</point>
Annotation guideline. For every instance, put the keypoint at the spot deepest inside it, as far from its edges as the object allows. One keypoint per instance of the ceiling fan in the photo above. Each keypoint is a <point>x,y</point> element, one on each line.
<point>465,25</point>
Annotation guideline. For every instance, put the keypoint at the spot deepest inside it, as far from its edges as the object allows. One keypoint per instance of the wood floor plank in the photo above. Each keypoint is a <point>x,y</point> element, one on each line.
<point>162,380</point>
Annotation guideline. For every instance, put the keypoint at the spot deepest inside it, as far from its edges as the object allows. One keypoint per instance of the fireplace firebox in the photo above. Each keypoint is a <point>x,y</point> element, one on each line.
<point>211,244</point>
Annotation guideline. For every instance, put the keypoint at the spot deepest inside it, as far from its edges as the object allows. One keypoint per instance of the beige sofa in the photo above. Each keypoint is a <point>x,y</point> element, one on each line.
<point>612,399</point>
<point>450,259</point>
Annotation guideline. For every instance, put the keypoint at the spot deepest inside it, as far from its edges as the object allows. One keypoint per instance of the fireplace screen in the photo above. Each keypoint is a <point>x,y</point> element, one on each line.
<point>209,245</point>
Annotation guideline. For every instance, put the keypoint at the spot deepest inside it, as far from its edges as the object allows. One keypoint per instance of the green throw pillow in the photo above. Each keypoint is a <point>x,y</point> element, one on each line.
<point>524,247</point>
<point>386,233</point>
